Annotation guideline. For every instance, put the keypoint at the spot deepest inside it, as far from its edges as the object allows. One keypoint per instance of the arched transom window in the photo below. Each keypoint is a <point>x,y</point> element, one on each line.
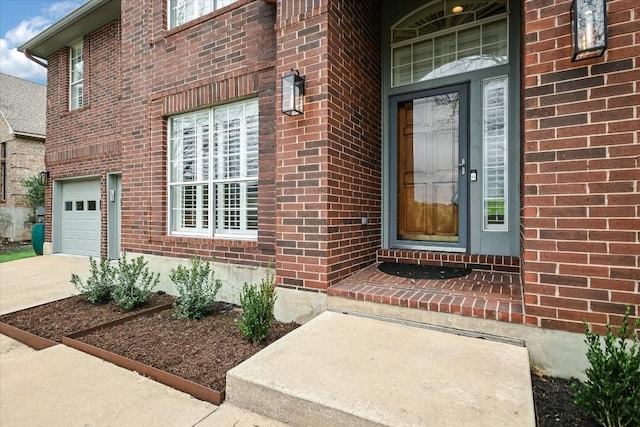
<point>447,37</point>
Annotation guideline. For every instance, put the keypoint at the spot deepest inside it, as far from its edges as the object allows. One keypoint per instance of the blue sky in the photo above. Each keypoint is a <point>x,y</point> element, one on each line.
<point>20,20</point>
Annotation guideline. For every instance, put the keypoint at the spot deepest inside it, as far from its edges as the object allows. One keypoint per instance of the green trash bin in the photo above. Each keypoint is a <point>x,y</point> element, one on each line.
<point>37,237</point>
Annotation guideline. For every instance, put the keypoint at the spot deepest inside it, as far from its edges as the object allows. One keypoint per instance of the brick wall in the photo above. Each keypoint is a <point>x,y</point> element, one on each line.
<point>25,159</point>
<point>84,141</point>
<point>581,198</point>
<point>221,57</point>
<point>354,131</point>
<point>328,160</point>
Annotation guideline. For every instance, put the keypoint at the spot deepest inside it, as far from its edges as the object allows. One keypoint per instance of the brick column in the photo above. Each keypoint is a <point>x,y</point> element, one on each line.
<point>328,161</point>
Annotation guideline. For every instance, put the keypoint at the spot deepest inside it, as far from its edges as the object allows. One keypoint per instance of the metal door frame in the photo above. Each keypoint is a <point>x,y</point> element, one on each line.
<point>463,180</point>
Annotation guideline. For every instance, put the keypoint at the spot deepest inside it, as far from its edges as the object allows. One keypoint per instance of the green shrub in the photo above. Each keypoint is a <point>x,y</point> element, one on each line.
<point>35,191</point>
<point>133,282</point>
<point>197,289</point>
<point>99,284</point>
<point>612,391</point>
<point>257,309</point>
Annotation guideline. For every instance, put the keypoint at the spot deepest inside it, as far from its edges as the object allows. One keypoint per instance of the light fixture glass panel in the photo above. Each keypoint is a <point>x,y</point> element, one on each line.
<point>589,28</point>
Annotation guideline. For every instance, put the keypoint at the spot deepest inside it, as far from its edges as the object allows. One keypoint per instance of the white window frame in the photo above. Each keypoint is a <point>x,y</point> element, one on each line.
<point>486,197</point>
<point>208,168</point>
<point>76,59</point>
<point>446,69</point>
<point>193,10</point>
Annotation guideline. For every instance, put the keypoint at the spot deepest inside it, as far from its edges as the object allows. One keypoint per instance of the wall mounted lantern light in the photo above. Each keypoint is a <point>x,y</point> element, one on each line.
<point>588,28</point>
<point>44,177</point>
<point>293,93</point>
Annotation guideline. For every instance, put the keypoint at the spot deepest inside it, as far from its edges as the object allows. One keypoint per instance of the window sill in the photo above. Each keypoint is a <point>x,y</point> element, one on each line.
<point>76,111</point>
<point>239,242</point>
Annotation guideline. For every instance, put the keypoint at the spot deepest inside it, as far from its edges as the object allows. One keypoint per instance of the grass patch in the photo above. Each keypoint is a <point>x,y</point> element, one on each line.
<point>18,254</point>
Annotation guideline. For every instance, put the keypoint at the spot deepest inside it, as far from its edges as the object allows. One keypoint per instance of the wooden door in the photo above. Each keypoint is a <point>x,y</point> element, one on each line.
<point>428,168</point>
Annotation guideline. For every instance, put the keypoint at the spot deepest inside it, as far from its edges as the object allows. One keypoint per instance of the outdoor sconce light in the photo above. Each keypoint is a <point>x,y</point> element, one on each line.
<point>293,93</point>
<point>588,28</point>
<point>44,177</point>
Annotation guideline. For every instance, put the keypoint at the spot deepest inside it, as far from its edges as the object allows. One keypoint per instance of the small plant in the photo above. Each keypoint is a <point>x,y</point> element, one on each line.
<point>612,391</point>
<point>197,289</point>
<point>257,308</point>
<point>35,191</point>
<point>99,284</point>
<point>133,282</point>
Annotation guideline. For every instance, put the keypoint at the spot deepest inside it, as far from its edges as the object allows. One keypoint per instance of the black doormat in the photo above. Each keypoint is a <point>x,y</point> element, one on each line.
<point>413,271</point>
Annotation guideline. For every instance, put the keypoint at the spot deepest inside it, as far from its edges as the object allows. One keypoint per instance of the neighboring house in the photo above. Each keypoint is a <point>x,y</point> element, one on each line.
<point>462,137</point>
<point>23,107</point>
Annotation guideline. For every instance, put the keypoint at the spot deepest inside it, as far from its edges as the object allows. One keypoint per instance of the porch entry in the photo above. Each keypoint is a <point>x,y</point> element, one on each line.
<point>431,167</point>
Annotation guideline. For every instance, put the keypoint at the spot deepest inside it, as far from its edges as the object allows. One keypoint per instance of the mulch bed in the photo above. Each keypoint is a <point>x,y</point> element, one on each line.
<point>204,350</point>
<point>415,271</point>
<point>198,350</point>
<point>56,319</point>
<point>553,398</point>
<point>8,246</point>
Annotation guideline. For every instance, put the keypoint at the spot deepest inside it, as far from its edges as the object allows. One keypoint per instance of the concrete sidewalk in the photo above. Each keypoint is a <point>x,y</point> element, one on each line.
<point>335,370</point>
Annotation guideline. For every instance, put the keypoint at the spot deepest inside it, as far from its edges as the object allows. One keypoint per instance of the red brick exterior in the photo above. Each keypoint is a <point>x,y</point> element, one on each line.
<point>581,151</point>
<point>85,142</point>
<point>329,160</point>
<point>321,173</point>
<point>223,56</point>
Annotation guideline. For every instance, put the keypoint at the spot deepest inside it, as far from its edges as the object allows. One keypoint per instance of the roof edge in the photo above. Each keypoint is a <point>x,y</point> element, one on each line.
<point>30,135</point>
<point>82,12</point>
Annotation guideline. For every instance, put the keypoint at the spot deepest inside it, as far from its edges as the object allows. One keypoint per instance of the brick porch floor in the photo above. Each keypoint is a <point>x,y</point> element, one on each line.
<point>493,295</point>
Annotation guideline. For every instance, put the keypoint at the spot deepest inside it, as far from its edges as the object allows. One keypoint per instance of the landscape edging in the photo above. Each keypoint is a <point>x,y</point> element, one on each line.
<point>196,390</point>
<point>27,338</point>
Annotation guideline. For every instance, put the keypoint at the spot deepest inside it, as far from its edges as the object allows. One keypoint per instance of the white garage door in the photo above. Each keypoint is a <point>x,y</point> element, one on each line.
<point>80,218</point>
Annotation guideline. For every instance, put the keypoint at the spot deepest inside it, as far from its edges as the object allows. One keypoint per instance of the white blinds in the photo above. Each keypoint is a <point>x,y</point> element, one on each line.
<point>494,138</point>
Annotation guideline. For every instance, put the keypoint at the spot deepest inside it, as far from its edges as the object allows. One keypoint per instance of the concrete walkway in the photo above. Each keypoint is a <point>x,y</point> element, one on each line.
<point>353,371</point>
<point>335,370</point>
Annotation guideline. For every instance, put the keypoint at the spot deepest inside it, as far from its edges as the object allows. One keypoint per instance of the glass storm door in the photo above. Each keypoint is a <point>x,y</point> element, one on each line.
<point>431,172</point>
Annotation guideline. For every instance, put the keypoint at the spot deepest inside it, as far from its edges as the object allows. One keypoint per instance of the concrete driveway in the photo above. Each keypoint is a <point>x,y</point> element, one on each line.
<point>32,281</point>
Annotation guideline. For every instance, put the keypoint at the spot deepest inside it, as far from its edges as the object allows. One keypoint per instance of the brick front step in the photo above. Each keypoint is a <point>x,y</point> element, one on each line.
<point>502,263</point>
<point>492,295</point>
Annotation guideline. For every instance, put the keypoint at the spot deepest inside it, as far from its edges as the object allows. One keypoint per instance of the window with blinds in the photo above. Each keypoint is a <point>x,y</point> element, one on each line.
<point>213,171</point>
<point>183,11</point>
<point>435,41</point>
<point>76,77</point>
<point>494,142</point>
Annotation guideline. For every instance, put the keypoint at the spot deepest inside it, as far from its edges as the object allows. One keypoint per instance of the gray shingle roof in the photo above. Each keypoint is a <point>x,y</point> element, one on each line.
<point>24,105</point>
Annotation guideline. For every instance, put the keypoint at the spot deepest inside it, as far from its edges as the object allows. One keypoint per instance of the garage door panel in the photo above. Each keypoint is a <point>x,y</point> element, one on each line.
<point>80,218</point>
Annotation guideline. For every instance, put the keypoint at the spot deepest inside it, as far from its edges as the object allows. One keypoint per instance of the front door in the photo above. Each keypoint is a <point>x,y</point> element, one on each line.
<point>431,168</point>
